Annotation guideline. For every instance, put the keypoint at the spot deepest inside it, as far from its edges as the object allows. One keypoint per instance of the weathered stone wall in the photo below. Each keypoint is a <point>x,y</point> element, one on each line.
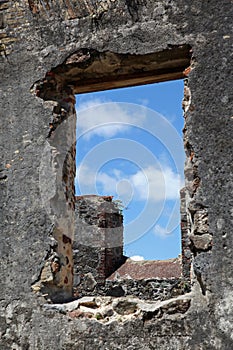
<point>146,289</point>
<point>185,241</point>
<point>38,37</point>
<point>98,242</point>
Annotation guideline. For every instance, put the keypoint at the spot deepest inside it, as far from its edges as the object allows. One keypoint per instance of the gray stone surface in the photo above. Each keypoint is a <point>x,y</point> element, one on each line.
<point>37,36</point>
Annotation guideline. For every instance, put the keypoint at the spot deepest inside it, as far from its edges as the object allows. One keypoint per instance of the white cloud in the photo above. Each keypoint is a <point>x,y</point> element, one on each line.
<point>87,180</point>
<point>97,117</point>
<point>137,258</point>
<point>85,175</point>
<point>125,189</point>
<point>156,184</point>
<point>108,183</point>
<point>161,231</point>
<point>143,101</point>
<point>150,184</point>
<point>90,103</point>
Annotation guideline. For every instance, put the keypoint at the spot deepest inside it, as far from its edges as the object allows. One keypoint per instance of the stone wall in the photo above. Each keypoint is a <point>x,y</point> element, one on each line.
<point>156,280</point>
<point>138,42</point>
<point>100,268</point>
<point>55,280</point>
<point>98,243</point>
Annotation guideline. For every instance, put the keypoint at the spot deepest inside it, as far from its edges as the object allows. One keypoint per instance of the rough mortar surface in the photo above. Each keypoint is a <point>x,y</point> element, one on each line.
<point>43,44</point>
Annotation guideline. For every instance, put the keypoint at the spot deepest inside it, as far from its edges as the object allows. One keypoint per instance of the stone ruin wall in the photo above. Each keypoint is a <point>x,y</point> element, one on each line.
<point>50,50</point>
<point>100,268</point>
<point>98,241</point>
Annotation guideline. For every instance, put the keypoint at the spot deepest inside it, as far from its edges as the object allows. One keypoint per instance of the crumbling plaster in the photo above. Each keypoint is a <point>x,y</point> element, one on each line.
<point>32,43</point>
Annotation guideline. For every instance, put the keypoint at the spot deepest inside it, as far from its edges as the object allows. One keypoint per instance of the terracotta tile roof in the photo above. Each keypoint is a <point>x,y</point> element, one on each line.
<point>107,198</point>
<point>147,269</point>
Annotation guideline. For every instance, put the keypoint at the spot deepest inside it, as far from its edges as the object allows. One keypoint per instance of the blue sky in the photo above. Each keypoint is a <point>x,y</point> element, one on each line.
<point>129,145</point>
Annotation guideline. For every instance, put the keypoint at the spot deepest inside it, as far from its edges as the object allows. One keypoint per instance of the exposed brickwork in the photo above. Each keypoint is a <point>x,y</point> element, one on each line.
<point>96,257</point>
<point>98,244</point>
<point>185,242</point>
<point>71,9</point>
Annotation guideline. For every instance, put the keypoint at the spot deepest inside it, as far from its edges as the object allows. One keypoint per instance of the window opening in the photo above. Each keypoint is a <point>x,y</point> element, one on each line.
<point>88,71</point>
<point>121,154</point>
